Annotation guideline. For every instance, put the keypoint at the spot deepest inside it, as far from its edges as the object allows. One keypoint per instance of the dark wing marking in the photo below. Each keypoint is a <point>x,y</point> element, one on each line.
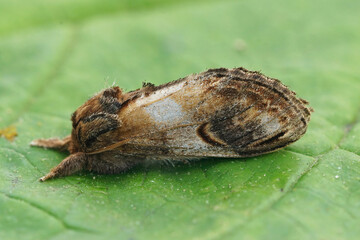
<point>234,129</point>
<point>203,131</point>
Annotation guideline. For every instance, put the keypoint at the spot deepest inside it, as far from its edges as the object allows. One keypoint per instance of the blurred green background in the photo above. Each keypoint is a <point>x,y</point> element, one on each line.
<point>56,54</point>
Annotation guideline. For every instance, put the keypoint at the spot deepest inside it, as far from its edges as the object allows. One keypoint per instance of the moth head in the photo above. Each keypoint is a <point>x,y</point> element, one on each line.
<point>96,119</point>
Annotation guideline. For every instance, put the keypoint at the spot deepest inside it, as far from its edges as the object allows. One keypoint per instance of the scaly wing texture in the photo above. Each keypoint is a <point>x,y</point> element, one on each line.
<point>219,112</point>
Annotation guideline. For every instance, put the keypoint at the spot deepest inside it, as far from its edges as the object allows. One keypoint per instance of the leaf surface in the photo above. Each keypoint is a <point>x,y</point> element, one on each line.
<point>55,56</point>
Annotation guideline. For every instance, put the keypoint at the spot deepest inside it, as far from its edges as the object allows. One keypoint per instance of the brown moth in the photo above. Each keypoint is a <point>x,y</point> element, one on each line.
<point>229,113</point>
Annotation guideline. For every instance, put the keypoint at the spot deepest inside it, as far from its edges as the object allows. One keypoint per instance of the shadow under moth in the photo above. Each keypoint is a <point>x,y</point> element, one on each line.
<point>230,113</point>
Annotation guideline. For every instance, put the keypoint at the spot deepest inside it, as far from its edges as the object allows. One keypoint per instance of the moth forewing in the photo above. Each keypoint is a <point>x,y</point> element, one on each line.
<point>217,113</point>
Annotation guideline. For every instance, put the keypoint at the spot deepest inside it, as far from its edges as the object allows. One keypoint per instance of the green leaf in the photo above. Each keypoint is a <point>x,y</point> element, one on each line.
<point>53,56</point>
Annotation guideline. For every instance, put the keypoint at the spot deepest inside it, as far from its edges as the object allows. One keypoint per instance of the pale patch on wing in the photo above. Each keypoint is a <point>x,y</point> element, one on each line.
<point>165,111</point>
<point>271,125</point>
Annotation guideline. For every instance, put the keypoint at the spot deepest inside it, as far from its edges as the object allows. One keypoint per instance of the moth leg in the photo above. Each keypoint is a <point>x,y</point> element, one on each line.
<point>53,143</point>
<point>70,165</point>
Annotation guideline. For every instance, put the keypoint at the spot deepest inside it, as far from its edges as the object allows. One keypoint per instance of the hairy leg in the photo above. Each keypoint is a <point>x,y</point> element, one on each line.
<point>53,143</point>
<point>70,165</point>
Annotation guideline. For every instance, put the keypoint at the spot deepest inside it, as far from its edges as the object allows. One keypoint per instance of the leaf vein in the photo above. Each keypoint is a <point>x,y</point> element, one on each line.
<point>47,212</point>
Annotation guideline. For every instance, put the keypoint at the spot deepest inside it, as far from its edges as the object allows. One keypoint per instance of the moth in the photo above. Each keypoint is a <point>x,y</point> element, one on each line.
<point>224,113</point>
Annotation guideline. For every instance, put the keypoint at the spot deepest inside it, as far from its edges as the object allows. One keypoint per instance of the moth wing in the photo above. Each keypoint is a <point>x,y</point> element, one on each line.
<point>219,113</point>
